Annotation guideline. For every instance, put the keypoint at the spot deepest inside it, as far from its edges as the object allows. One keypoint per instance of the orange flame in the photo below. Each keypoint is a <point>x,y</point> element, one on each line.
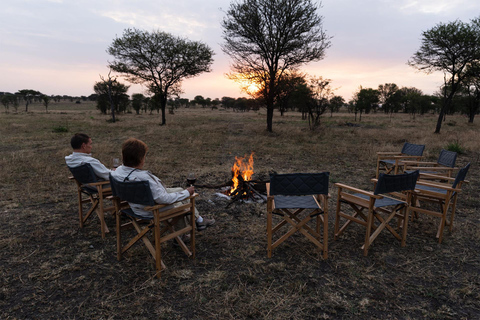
<point>243,169</point>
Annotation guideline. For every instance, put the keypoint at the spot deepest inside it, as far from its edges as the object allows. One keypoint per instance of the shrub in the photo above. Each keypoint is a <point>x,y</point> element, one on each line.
<point>456,147</point>
<point>60,129</point>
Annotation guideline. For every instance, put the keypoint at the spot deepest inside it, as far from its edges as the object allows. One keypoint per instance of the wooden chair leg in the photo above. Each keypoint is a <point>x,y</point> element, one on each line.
<point>269,234</point>
<point>158,255</point>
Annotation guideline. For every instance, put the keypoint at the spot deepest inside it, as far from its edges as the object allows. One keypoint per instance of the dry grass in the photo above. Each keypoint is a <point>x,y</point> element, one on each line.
<point>50,268</point>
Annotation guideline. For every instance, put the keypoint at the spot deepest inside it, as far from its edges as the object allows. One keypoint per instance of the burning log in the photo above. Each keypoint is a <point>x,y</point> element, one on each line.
<point>242,187</point>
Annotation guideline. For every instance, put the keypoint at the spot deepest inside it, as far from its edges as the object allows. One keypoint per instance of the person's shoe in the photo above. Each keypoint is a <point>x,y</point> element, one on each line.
<point>205,224</point>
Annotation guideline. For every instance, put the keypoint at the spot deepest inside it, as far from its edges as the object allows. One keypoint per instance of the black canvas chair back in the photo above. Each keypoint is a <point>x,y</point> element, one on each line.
<point>443,194</point>
<point>296,184</point>
<point>84,173</point>
<point>391,199</point>
<point>413,149</point>
<point>396,183</point>
<point>298,200</point>
<point>162,223</point>
<point>96,190</point>
<point>447,158</point>
<point>461,175</point>
<point>137,192</point>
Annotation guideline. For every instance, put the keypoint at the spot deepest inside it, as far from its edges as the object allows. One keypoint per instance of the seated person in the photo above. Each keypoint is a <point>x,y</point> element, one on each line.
<point>134,153</point>
<point>82,148</point>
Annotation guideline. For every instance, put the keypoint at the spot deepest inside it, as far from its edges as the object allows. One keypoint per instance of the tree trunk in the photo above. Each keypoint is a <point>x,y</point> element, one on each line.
<point>444,108</point>
<point>163,105</point>
<point>471,117</point>
<point>112,106</point>
<point>270,118</point>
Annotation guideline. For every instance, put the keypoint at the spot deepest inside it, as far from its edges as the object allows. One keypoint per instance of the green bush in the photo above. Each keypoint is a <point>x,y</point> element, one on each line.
<point>456,147</point>
<point>60,129</point>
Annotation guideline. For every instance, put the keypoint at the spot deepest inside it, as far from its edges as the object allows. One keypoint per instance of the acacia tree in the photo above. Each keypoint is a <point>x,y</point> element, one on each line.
<point>266,38</point>
<point>28,95</point>
<point>335,103</point>
<point>449,48</point>
<point>365,100</point>
<point>112,95</point>
<point>159,60</point>
<point>46,101</point>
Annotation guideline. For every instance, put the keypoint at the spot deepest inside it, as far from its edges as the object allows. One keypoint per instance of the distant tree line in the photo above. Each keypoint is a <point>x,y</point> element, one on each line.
<point>28,96</point>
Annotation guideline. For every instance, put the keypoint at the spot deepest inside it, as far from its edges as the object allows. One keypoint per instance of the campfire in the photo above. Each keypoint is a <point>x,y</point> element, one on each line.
<point>242,172</point>
<point>243,188</point>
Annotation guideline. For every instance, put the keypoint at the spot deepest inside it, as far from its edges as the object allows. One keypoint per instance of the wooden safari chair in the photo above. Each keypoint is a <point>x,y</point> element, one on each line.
<point>366,207</point>
<point>162,224</point>
<point>443,194</point>
<point>297,199</point>
<point>91,190</point>
<point>392,161</point>
<point>444,165</point>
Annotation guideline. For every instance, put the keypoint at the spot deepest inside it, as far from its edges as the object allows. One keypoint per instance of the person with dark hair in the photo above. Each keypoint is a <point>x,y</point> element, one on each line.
<point>82,148</point>
<point>134,153</point>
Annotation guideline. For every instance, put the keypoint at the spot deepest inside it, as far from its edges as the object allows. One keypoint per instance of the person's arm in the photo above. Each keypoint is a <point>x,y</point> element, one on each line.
<point>100,170</point>
<point>160,194</point>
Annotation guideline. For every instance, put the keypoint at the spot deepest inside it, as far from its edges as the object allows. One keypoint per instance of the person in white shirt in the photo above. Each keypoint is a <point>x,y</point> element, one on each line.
<point>82,148</point>
<point>134,152</point>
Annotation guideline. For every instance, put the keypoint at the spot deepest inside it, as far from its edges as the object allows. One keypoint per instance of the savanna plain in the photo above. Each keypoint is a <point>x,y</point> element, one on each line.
<point>50,268</point>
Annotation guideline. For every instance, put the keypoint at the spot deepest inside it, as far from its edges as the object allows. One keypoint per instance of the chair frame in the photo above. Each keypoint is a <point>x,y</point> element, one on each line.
<point>162,222</point>
<point>443,194</point>
<point>367,219</point>
<point>103,191</point>
<point>398,157</point>
<point>297,223</point>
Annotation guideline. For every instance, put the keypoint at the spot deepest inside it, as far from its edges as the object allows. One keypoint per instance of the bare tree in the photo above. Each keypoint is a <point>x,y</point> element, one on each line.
<point>266,38</point>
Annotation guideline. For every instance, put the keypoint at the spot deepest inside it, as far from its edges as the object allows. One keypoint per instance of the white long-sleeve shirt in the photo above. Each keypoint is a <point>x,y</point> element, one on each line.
<point>78,158</point>
<point>159,192</point>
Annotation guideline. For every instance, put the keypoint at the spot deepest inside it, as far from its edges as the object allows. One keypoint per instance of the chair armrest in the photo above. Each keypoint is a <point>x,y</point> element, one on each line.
<point>431,176</point>
<point>437,185</point>
<point>407,157</point>
<point>99,183</point>
<point>432,168</point>
<point>420,163</point>
<point>162,205</point>
<point>356,190</point>
<point>381,153</point>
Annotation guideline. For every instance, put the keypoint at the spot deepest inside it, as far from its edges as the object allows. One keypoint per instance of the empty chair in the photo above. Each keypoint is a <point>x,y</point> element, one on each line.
<point>392,161</point>
<point>296,199</point>
<point>95,191</point>
<point>444,165</point>
<point>443,194</point>
<point>365,207</point>
<point>162,225</point>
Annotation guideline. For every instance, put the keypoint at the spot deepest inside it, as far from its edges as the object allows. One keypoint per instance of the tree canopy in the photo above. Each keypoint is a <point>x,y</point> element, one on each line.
<point>449,48</point>
<point>159,60</point>
<point>266,38</point>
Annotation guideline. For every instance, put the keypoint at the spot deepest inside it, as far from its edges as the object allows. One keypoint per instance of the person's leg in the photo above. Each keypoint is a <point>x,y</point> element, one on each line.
<point>201,223</point>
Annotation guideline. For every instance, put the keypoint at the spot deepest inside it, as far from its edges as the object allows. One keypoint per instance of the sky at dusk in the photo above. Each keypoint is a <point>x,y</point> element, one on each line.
<point>59,46</point>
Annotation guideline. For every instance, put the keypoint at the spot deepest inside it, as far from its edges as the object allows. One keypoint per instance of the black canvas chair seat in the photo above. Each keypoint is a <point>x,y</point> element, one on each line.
<point>292,202</point>
<point>442,194</point>
<point>383,202</point>
<point>162,224</point>
<point>297,199</point>
<point>96,191</point>
<point>382,205</point>
<point>392,162</point>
